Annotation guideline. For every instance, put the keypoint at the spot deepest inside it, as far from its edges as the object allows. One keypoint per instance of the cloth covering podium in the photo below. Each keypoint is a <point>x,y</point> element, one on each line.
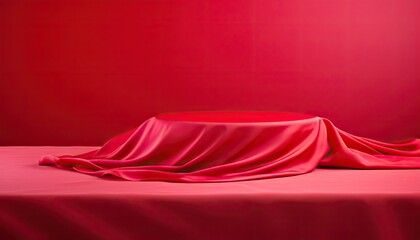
<point>235,146</point>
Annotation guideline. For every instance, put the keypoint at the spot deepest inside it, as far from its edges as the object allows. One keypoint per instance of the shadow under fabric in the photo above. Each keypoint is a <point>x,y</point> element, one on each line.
<point>234,146</point>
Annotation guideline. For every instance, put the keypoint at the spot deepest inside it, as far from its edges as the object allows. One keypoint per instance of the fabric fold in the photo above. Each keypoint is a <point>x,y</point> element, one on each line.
<point>250,145</point>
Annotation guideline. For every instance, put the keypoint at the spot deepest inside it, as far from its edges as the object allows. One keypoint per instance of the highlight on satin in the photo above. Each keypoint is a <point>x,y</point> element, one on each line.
<point>235,146</point>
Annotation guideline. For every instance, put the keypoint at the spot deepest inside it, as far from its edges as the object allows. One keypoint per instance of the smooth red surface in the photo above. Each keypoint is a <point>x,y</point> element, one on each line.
<point>233,116</point>
<point>234,146</point>
<point>78,72</point>
<point>40,202</point>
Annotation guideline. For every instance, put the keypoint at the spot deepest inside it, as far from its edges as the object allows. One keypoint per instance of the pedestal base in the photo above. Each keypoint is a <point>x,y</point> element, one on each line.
<point>233,146</point>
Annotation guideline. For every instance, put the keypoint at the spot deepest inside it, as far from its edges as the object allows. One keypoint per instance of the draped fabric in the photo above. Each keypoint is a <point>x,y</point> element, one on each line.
<point>233,146</point>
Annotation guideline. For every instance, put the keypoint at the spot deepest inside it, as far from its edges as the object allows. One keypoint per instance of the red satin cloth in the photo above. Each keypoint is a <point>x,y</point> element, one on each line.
<point>233,146</point>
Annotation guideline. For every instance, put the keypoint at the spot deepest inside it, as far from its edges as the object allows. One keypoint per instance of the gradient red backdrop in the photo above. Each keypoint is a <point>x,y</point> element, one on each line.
<point>82,71</point>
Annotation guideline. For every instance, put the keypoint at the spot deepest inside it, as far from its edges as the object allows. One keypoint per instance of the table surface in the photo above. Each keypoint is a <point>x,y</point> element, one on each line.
<point>21,175</point>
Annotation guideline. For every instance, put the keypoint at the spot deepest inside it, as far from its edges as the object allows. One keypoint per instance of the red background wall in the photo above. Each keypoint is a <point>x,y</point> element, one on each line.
<point>79,72</point>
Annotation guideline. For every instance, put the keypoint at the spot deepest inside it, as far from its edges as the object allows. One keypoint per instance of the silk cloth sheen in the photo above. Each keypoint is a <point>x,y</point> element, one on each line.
<point>234,146</point>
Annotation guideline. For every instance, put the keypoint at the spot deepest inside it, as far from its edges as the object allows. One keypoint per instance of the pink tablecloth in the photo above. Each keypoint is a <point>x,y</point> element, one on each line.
<point>233,146</point>
<point>38,202</point>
